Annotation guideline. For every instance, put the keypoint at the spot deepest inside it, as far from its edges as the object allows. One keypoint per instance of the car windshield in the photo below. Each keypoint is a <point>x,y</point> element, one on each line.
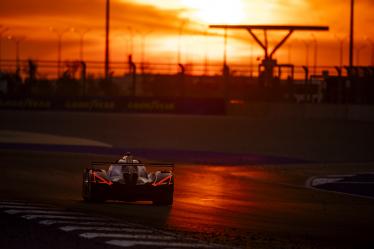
<point>115,170</point>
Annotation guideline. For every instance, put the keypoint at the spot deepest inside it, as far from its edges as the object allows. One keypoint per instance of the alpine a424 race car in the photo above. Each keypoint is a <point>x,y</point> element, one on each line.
<point>128,180</point>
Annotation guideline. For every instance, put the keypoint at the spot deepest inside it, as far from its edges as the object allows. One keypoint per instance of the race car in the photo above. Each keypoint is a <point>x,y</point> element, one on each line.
<point>127,179</point>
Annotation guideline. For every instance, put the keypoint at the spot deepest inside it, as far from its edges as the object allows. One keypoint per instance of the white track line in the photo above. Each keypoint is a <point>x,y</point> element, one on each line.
<point>86,223</point>
<point>28,207</point>
<point>22,203</point>
<point>325,180</point>
<point>125,236</point>
<point>79,218</point>
<point>357,183</point>
<point>308,184</point>
<point>31,211</point>
<point>52,217</point>
<point>104,229</point>
<point>130,243</point>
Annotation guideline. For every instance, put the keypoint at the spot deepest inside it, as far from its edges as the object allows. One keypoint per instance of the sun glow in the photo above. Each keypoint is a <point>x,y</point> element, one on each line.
<point>216,11</point>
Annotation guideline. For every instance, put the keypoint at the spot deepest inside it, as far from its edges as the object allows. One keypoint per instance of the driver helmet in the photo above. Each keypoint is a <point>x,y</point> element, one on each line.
<point>127,157</point>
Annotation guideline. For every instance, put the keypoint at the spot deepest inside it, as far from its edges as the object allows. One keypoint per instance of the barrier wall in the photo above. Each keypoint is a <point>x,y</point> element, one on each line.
<point>194,106</point>
<point>302,111</point>
<point>117,104</point>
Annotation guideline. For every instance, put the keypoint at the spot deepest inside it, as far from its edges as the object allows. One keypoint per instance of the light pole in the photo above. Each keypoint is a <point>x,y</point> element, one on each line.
<point>131,40</point>
<point>107,28</point>
<point>251,64</point>
<point>351,36</point>
<point>371,44</point>
<point>125,41</point>
<point>307,45</point>
<point>17,41</point>
<point>60,34</point>
<point>206,59</point>
<point>225,49</point>
<point>291,44</point>
<point>341,49</point>
<point>315,62</point>
<point>144,38</point>
<point>179,40</point>
<point>2,31</point>
<point>82,34</point>
<point>358,52</point>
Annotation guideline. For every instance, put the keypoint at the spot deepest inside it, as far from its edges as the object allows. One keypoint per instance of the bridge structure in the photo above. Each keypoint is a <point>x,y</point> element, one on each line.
<point>269,64</point>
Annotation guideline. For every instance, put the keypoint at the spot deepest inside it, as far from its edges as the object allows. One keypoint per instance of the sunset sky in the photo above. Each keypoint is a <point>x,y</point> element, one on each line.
<point>158,24</point>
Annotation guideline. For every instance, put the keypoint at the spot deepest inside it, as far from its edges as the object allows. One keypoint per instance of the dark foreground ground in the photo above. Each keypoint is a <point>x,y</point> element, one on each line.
<point>253,206</point>
<point>20,233</point>
<point>257,205</point>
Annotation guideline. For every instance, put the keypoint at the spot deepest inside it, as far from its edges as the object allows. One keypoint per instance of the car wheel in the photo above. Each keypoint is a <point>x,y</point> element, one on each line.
<point>88,190</point>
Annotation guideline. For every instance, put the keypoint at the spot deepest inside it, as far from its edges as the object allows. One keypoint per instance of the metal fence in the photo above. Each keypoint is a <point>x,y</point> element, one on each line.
<point>48,69</point>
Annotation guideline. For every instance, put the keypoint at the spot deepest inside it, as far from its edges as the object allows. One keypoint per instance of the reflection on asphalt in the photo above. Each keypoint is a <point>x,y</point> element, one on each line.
<point>209,196</point>
<point>251,202</point>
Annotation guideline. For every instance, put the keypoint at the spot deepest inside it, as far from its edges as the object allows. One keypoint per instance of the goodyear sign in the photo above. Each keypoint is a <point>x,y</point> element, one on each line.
<point>117,104</point>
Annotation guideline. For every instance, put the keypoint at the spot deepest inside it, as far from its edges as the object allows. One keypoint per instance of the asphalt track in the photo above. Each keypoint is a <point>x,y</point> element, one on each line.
<point>310,139</point>
<point>256,206</point>
<point>22,219</point>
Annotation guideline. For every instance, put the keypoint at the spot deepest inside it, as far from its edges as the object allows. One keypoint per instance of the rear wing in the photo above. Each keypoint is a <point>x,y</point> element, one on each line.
<point>160,165</point>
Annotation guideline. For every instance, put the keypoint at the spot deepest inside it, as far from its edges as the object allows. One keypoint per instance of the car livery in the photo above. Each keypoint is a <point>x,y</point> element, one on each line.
<point>129,182</point>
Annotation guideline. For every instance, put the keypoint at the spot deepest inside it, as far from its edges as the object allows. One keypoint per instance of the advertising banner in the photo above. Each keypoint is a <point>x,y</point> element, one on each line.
<point>116,104</point>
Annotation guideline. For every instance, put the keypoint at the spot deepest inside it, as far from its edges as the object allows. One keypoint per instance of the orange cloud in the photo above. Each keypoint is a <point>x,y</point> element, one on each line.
<point>33,19</point>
